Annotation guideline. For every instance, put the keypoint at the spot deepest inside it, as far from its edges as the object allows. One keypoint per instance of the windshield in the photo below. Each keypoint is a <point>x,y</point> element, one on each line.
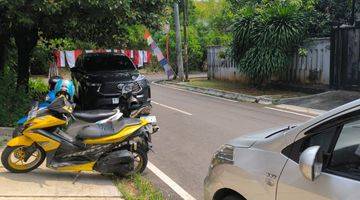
<point>107,62</point>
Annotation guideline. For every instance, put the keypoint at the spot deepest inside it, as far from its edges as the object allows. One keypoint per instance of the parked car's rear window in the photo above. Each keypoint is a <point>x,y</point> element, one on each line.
<point>107,62</point>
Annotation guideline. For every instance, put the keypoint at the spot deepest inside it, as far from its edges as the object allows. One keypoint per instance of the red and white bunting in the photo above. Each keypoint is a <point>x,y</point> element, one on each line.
<point>68,58</point>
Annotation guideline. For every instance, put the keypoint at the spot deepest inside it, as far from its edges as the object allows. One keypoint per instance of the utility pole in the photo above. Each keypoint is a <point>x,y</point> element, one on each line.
<point>167,32</point>
<point>186,24</point>
<point>179,58</point>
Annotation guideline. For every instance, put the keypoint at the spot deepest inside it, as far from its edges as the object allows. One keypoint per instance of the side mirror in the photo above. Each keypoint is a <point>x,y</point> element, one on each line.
<point>310,163</point>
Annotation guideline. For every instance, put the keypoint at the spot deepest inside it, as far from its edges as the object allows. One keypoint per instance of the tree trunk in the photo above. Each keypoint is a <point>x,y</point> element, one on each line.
<point>25,39</point>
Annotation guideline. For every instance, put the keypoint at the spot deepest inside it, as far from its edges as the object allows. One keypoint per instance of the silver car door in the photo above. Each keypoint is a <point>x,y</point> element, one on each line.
<point>340,176</point>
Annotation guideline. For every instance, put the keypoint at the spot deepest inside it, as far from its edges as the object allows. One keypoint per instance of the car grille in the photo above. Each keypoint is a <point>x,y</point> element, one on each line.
<point>112,88</point>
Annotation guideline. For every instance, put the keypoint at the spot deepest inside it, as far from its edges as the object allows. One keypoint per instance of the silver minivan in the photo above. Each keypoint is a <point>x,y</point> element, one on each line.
<point>319,159</point>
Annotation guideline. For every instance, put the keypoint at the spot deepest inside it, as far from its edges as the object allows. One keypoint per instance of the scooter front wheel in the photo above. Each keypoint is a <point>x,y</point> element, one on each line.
<point>17,160</point>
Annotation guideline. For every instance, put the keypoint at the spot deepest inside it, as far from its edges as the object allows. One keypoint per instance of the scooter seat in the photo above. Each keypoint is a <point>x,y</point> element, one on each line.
<point>95,131</point>
<point>93,115</point>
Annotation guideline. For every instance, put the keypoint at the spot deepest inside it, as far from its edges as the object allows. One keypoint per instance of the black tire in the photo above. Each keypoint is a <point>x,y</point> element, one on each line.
<point>233,197</point>
<point>8,151</point>
<point>143,155</point>
<point>140,169</point>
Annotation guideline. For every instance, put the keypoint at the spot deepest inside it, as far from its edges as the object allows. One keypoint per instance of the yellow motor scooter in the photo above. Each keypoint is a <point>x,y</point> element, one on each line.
<point>119,147</point>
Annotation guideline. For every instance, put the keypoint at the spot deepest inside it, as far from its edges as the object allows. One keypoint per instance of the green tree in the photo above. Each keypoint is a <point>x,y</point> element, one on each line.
<point>209,24</point>
<point>101,22</point>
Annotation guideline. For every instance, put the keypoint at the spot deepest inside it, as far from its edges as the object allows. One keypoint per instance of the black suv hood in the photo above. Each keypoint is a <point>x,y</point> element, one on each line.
<point>112,76</point>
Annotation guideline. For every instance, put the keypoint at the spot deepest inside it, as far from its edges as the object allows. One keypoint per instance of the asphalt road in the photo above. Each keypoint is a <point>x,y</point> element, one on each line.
<point>193,126</point>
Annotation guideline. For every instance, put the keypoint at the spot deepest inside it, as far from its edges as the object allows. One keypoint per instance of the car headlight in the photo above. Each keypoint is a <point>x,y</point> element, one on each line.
<point>224,155</point>
<point>141,80</point>
<point>127,88</point>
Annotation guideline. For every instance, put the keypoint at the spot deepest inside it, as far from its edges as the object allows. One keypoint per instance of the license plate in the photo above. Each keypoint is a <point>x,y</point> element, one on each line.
<point>115,100</point>
<point>151,119</point>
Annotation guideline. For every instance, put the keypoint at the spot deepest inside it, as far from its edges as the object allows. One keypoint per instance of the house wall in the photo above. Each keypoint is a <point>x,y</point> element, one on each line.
<point>314,68</point>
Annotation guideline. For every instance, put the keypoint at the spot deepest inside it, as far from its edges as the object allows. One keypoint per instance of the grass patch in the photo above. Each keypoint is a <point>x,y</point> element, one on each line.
<point>138,188</point>
<point>243,88</point>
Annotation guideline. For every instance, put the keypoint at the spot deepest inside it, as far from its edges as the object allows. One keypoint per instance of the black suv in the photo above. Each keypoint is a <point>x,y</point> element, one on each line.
<point>99,78</point>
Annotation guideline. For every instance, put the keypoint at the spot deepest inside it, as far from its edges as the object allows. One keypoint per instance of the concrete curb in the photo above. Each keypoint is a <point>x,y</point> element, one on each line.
<point>6,131</point>
<point>221,93</point>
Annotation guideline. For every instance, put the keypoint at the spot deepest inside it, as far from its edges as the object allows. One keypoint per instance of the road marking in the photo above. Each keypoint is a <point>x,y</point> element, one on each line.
<point>172,108</point>
<point>174,186</point>
<point>198,93</point>
<point>295,113</point>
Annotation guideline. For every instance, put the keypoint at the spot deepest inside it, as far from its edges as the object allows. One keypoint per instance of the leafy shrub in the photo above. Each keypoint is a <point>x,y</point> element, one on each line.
<point>242,33</point>
<point>14,103</point>
<point>260,62</point>
<point>265,37</point>
<point>38,89</point>
<point>39,63</point>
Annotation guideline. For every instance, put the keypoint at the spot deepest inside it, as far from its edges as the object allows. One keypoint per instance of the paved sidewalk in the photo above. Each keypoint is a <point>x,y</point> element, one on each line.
<point>44,183</point>
<point>323,101</point>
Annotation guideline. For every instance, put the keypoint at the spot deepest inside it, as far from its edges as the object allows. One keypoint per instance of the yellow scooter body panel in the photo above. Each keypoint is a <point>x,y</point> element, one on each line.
<point>83,167</point>
<point>21,140</point>
<point>46,143</point>
<point>118,137</point>
<point>28,138</point>
<point>44,122</point>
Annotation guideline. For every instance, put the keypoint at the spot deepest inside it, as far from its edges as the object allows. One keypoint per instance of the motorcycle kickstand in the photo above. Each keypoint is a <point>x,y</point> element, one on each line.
<point>76,177</point>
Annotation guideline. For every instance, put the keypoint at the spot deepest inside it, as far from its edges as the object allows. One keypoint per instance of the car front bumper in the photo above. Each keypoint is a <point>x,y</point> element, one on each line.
<point>222,176</point>
<point>92,99</point>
